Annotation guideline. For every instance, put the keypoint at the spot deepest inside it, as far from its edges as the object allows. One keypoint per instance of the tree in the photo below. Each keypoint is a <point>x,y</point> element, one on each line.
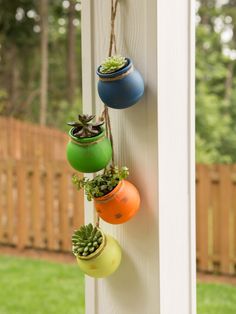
<point>215,84</point>
<point>22,65</point>
<point>44,60</point>
<point>18,41</point>
<point>71,53</point>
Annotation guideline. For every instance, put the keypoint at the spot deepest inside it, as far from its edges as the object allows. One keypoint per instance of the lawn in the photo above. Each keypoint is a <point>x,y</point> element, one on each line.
<point>38,287</point>
<point>216,299</point>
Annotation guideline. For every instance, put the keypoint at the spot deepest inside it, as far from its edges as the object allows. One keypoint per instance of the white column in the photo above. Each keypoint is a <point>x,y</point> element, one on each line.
<point>155,139</point>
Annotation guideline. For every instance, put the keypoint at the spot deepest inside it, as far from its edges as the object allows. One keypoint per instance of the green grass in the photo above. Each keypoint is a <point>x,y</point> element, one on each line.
<point>38,287</point>
<point>216,299</point>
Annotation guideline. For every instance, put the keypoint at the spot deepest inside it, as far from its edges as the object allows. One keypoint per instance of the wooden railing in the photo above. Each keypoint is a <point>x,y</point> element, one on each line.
<point>216,218</point>
<point>39,207</point>
<point>25,141</point>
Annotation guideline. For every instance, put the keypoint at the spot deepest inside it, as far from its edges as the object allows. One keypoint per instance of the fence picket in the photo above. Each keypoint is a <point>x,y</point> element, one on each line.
<point>1,205</point>
<point>215,224</point>
<point>63,210</point>
<point>10,205</point>
<point>234,214</point>
<point>37,209</point>
<point>202,222</point>
<point>225,203</point>
<point>21,205</point>
<point>51,245</point>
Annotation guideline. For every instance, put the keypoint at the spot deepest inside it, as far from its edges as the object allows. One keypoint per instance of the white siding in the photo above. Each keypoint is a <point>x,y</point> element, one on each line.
<point>155,140</point>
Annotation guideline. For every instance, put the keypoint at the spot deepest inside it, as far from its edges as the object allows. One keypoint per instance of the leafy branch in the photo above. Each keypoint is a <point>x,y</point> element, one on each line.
<point>101,184</point>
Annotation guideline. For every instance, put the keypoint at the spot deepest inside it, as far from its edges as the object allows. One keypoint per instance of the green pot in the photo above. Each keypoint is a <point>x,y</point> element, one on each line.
<point>104,261</point>
<point>89,154</point>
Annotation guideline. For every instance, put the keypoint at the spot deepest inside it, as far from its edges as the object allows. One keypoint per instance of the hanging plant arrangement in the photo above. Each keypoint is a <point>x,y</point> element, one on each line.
<point>89,149</point>
<point>120,85</point>
<point>98,255</point>
<point>116,200</point>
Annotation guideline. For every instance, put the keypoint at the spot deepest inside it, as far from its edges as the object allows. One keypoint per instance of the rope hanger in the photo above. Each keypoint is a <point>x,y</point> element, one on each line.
<point>105,113</point>
<point>112,45</point>
<point>112,35</point>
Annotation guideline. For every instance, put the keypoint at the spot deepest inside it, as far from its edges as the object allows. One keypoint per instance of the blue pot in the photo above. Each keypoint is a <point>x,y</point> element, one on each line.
<point>121,89</point>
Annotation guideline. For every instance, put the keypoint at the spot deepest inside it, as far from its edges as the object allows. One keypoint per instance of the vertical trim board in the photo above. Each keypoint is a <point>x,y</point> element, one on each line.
<point>155,140</point>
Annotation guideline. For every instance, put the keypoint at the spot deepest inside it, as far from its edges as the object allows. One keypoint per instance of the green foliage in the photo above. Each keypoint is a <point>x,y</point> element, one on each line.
<point>16,25</point>
<point>101,184</point>
<point>215,85</point>
<point>112,64</point>
<point>20,62</point>
<point>86,240</point>
<point>84,127</point>
<point>61,111</point>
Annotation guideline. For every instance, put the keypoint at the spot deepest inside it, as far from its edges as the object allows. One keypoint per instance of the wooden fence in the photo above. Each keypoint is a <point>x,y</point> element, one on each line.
<point>39,207</point>
<point>216,218</point>
<point>25,141</point>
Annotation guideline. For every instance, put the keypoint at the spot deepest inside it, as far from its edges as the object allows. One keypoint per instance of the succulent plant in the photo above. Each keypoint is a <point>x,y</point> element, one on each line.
<point>86,240</point>
<point>112,64</point>
<point>101,184</point>
<point>84,127</point>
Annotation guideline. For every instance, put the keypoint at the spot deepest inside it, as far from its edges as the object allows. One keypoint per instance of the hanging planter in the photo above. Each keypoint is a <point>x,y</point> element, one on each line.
<point>98,255</point>
<point>89,150</point>
<point>116,200</point>
<point>120,85</point>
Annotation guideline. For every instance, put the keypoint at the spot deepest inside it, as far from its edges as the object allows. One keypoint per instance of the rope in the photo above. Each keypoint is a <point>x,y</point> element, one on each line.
<point>87,144</point>
<point>105,113</point>
<point>118,77</point>
<point>106,116</point>
<point>114,5</point>
<point>112,34</point>
<point>98,221</point>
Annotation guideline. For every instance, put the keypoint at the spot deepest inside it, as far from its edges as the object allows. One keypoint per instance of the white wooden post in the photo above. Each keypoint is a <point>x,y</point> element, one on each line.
<point>155,139</point>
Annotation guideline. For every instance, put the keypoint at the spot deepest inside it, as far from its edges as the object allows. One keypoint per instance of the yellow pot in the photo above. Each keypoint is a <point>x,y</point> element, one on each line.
<point>104,261</point>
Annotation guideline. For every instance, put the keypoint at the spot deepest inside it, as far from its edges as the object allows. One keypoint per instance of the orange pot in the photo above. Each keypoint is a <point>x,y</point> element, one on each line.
<point>120,205</point>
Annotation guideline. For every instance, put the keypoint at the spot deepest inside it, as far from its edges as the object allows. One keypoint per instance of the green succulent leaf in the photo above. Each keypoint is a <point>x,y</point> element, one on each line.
<point>84,240</point>
<point>112,64</point>
<point>85,127</point>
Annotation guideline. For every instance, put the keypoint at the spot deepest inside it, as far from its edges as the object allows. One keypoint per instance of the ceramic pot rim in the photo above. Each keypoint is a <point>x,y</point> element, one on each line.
<point>98,251</point>
<point>116,73</point>
<point>110,194</point>
<point>86,139</point>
